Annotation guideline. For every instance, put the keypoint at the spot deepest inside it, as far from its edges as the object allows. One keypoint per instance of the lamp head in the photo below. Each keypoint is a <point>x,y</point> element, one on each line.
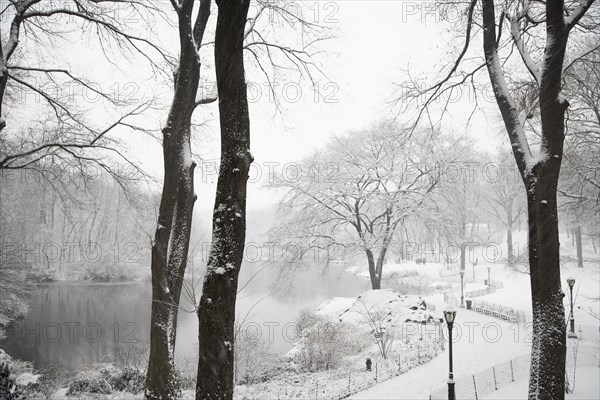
<point>571,282</point>
<point>450,315</point>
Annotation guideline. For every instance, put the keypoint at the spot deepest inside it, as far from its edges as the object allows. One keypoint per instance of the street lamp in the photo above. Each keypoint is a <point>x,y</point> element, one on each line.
<point>571,334</point>
<point>489,275</point>
<point>462,295</point>
<point>449,315</point>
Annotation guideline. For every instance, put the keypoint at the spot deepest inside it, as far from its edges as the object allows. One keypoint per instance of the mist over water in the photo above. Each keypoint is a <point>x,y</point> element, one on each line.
<point>71,324</point>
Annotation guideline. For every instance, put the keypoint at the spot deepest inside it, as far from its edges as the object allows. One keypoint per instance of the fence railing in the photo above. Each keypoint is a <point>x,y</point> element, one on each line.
<point>495,310</point>
<point>585,351</point>
<point>345,381</point>
<point>482,383</point>
<point>499,311</point>
<point>361,381</point>
<point>481,292</point>
<point>579,353</point>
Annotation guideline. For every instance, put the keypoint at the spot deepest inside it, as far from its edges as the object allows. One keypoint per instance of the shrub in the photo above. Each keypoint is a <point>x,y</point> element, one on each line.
<point>323,343</point>
<point>13,384</point>
<point>254,360</point>
<point>8,386</point>
<point>187,371</point>
<point>49,381</point>
<point>129,380</point>
<point>96,379</point>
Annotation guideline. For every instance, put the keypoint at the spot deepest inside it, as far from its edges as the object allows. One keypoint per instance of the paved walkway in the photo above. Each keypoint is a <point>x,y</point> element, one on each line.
<point>477,348</point>
<point>478,339</point>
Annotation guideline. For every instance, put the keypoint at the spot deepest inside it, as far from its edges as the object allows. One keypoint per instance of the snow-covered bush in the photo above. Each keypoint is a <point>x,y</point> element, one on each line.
<point>132,361</point>
<point>254,360</point>
<point>49,381</point>
<point>16,378</point>
<point>187,371</point>
<point>129,380</point>
<point>8,384</point>
<point>96,379</point>
<point>323,342</point>
<point>106,378</point>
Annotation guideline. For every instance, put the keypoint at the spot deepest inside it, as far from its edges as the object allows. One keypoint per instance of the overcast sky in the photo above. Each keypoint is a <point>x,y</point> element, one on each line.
<point>376,43</point>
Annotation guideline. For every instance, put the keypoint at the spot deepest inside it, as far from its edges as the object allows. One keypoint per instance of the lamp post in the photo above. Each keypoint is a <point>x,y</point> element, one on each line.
<point>489,275</point>
<point>462,295</point>
<point>449,315</point>
<point>571,334</point>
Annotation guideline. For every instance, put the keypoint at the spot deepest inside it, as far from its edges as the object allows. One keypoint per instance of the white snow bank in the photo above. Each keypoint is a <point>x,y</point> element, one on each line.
<point>335,307</point>
<point>383,303</point>
<point>27,378</point>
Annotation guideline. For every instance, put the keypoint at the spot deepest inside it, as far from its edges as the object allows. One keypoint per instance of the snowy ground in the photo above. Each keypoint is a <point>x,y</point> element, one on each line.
<point>587,387</point>
<point>485,341</point>
<point>477,339</point>
<point>480,341</point>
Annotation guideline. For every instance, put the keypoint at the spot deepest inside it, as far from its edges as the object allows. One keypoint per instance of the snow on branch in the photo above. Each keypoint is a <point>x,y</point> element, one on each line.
<point>24,158</point>
<point>531,65</point>
<point>508,108</point>
<point>572,19</point>
<point>435,91</point>
<point>97,18</point>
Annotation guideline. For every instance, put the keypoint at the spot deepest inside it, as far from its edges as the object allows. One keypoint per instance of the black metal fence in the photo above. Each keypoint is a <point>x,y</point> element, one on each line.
<point>477,385</point>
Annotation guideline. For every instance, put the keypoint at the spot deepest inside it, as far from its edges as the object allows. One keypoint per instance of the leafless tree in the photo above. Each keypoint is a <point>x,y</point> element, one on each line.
<point>235,33</point>
<point>66,134</point>
<point>538,117</point>
<point>506,205</point>
<point>172,236</point>
<point>358,191</point>
<point>579,185</point>
<point>382,327</point>
<point>216,313</point>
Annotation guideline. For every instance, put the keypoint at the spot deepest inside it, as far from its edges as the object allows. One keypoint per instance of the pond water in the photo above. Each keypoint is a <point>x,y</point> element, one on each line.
<point>74,323</point>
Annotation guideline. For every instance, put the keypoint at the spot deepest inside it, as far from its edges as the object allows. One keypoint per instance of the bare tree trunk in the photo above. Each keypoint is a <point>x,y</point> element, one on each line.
<point>549,348</point>
<point>380,261</point>
<point>462,233</point>
<point>172,236</point>
<point>579,247</point>
<point>375,280</point>
<point>3,82</point>
<point>547,375</point>
<point>509,244</point>
<point>216,313</point>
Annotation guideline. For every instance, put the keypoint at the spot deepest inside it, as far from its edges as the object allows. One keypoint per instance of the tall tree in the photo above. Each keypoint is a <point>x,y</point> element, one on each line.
<point>216,313</point>
<point>540,174</point>
<point>360,189</point>
<point>539,116</point>
<point>505,202</point>
<point>458,199</point>
<point>172,235</point>
<point>580,180</point>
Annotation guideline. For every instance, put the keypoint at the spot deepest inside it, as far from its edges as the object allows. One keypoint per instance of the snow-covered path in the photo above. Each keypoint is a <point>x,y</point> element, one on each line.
<point>587,387</point>
<point>477,341</point>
